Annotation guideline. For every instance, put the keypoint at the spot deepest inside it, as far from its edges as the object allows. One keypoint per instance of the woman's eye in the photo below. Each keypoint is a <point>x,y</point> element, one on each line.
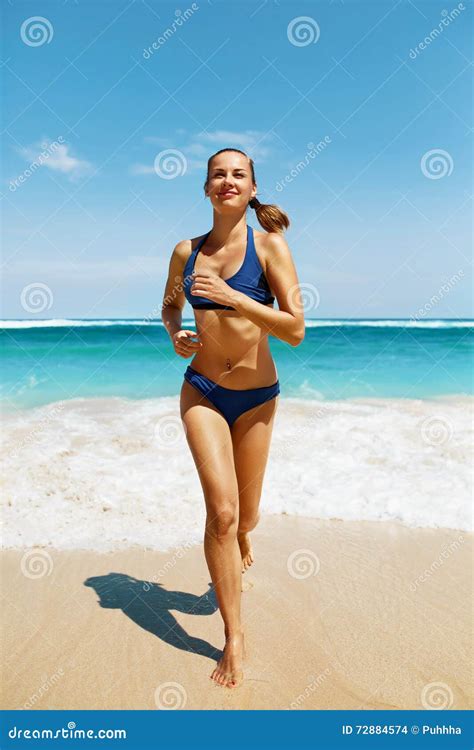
<point>222,176</point>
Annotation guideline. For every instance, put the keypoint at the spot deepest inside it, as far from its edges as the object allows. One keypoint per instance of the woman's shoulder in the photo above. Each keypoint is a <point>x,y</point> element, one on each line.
<point>184,248</point>
<point>271,247</point>
<point>271,242</point>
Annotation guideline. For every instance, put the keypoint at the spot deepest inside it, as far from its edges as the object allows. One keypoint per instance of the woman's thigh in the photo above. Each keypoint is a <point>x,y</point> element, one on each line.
<point>251,438</point>
<point>210,442</point>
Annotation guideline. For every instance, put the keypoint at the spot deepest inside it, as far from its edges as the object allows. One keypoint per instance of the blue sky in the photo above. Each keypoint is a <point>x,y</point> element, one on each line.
<point>381,215</point>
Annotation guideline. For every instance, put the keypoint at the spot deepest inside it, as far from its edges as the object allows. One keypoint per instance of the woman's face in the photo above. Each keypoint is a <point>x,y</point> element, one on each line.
<point>230,185</point>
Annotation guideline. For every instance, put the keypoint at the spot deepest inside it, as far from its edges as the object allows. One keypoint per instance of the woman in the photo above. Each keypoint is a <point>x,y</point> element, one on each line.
<point>230,391</point>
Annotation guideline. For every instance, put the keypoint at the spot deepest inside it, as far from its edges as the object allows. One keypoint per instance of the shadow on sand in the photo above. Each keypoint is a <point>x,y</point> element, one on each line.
<point>149,604</point>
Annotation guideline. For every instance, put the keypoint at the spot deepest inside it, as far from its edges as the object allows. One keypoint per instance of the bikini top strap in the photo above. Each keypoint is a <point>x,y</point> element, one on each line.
<point>250,239</point>
<point>201,243</point>
<point>251,251</point>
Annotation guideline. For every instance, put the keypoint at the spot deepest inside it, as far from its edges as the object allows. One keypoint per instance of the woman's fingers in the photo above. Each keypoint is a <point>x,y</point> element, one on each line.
<point>186,344</point>
<point>191,343</point>
<point>184,352</point>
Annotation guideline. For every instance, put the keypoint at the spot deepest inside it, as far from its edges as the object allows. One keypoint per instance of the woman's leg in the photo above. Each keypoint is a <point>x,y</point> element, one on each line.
<point>209,439</point>
<point>251,436</point>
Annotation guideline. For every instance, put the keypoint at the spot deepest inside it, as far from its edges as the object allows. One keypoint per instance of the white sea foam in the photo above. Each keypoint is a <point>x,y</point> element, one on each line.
<point>74,323</point>
<point>310,323</point>
<point>109,473</point>
<point>392,323</point>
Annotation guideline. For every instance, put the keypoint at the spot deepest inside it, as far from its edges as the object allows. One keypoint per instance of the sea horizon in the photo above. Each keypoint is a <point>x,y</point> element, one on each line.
<point>422,322</point>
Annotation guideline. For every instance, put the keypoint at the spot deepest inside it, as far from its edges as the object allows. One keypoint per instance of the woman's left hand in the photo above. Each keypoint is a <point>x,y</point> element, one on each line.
<point>211,286</point>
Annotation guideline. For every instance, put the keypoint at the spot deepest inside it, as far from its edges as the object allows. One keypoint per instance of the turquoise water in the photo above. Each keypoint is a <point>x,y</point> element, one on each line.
<point>47,361</point>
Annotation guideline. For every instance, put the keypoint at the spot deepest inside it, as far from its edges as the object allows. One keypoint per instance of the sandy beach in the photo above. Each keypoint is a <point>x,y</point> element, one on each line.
<point>338,615</point>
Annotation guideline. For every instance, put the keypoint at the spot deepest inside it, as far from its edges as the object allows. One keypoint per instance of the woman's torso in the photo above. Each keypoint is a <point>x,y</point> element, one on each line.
<point>235,351</point>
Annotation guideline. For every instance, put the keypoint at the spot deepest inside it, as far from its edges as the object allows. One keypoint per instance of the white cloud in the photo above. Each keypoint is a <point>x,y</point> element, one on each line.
<point>198,149</point>
<point>159,140</point>
<point>142,169</point>
<point>256,143</point>
<point>57,157</point>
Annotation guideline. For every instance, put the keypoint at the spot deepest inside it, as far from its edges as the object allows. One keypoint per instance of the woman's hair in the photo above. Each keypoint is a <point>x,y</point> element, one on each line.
<point>272,218</point>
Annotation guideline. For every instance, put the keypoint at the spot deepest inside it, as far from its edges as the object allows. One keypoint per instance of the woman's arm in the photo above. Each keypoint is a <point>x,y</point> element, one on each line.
<point>173,299</point>
<point>286,323</point>
<point>185,342</point>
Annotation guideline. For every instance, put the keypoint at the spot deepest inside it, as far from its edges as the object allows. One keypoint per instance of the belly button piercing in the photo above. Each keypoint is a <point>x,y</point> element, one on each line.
<point>228,364</point>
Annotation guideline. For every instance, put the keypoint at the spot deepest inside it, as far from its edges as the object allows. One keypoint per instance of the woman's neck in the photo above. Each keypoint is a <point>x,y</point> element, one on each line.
<point>226,229</point>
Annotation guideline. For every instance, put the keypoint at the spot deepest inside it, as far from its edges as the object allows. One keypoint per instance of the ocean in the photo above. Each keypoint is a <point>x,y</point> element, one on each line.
<point>47,361</point>
<point>374,423</point>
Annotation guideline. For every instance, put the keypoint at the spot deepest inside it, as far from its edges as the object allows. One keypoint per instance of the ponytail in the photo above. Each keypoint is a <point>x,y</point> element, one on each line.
<point>272,218</point>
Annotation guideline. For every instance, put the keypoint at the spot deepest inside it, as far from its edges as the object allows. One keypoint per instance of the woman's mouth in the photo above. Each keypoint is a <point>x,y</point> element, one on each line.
<point>227,194</point>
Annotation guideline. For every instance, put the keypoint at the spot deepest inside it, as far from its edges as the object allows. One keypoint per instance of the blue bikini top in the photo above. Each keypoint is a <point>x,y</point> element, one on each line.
<point>249,279</point>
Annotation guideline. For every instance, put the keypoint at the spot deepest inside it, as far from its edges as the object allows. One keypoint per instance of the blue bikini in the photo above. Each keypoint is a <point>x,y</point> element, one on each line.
<point>231,403</point>
<point>250,280</point>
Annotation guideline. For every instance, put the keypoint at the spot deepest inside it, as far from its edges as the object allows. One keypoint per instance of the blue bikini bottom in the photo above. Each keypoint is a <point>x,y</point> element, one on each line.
<point>229,402</point>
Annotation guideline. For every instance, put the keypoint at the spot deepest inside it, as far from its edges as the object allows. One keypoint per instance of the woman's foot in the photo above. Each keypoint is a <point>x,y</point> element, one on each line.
<point>228,671</point>
<point>246,551</point>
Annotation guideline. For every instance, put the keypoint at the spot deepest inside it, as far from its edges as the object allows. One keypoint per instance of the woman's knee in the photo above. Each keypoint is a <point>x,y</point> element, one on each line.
<point>249,501</point>
<point>247,521</point>
<point>222,522</point>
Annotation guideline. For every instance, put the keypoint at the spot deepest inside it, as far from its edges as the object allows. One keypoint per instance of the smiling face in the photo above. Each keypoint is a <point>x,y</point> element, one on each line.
<point>230,184</point>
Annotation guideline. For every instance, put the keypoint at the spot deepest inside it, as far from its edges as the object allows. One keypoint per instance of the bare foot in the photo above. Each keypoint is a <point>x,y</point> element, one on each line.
<point>246,551</point>
<point>228,671</point>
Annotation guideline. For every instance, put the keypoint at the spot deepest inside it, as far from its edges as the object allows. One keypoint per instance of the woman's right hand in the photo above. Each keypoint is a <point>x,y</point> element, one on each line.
<point>185,343</point>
